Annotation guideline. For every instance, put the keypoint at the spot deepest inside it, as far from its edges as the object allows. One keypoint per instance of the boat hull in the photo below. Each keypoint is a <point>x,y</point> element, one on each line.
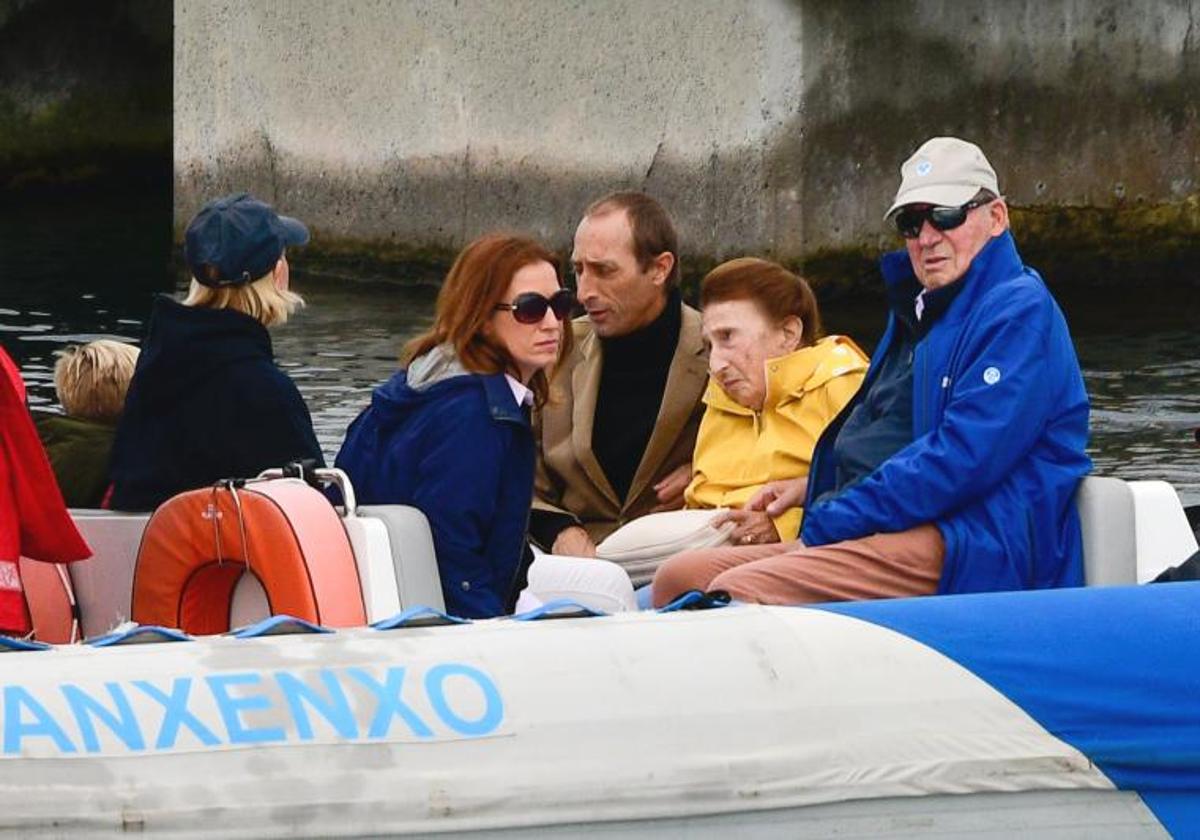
<point>752,714</point>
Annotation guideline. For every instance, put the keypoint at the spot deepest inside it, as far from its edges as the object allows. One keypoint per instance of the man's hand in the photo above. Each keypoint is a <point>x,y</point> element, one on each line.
<point>670,489</point>
<point>777,496</point>
<point>751,527</point>
<point>573,542</point>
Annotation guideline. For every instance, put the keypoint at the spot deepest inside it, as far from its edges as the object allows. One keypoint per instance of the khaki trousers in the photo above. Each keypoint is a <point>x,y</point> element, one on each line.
<point>880,566</point>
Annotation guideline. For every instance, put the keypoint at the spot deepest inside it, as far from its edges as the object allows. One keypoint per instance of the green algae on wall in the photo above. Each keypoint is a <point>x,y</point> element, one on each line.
<point>374,259</point>
<point>1147,244</point>
<point>1133,242</point>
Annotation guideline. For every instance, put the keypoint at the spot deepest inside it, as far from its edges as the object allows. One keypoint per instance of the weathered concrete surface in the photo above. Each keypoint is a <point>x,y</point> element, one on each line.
<point>401,128</point>
<point>427,123</point>
<point>1090,112</point>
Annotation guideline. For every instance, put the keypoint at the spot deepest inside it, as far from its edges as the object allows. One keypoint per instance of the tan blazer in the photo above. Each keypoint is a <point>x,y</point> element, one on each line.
<point>569,478</point>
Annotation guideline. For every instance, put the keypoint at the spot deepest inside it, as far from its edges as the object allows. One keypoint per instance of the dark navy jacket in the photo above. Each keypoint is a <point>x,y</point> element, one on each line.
<point>460,450</point>
<point>1000,423</point>
<point>206,402</point>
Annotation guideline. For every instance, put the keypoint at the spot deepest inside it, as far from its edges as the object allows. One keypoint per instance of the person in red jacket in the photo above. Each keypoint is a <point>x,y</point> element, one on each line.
<point>34,522</point>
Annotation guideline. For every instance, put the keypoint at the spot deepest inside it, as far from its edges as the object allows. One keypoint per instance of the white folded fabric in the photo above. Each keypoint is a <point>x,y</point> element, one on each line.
<point>657,536</point>
<point>594,583</point>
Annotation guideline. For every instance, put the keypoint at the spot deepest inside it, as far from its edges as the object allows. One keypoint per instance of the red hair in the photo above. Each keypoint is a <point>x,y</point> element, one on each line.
<point>772,288</point>
<point>478,280</point>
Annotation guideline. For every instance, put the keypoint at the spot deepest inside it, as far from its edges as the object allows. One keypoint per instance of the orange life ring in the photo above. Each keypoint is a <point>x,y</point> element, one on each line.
<point>197,545</point>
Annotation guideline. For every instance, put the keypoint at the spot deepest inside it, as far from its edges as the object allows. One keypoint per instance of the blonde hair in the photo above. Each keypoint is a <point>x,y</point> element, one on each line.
<point>260,299</point>
<point>91,379</point>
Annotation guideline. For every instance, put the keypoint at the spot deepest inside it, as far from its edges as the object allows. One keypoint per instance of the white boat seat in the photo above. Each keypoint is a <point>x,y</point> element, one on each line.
<point>393,550</point>
<point>413,559</point>
<point>1106,515</point>
<point>1164,537</point>
<point>1132,530</point>
<point>373,556</point>
<point>104,584</point>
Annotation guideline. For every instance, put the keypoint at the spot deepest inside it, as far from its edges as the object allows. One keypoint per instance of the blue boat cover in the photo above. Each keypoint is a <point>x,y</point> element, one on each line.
<point>1114,672</point>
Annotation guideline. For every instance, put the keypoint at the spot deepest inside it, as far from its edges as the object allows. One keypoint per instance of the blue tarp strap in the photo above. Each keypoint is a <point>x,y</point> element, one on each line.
<point>560,608</point>
<point>419,616</point>
<point>140,635</point>
<point>279,625</point>
<point>697,600</point>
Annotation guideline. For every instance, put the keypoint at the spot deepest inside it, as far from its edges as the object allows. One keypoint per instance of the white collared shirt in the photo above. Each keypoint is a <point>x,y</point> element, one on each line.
<point>919,304</point>
<point>521,394</point>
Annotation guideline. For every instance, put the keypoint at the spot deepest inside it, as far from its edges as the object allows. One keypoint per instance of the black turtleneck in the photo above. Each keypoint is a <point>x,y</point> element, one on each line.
<point>633,378</point>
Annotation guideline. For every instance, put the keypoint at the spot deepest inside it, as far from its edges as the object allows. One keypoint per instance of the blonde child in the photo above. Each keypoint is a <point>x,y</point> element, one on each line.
<point>90,381</point>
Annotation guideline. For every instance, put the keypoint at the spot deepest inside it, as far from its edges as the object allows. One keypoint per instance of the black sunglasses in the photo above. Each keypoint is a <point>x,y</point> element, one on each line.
<point>910,220</point>
<point>530,307</point>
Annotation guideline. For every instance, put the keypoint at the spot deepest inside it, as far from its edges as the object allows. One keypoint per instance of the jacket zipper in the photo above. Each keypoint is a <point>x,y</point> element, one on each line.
<point>924,380</point>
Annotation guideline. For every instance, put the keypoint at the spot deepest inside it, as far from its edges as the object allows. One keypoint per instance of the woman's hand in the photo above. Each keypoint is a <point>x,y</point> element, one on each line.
<point>775,497</point>
<point>669,491</point>
<point>751,527</point>
<point>573,541</point>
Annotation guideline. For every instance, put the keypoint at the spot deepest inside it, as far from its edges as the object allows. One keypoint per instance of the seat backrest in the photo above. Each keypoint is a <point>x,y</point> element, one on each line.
<point>1107,517</point>
<point>1164,537</point>
<point>413,557</point>
<point>103,584</point>
<point>376,569</point>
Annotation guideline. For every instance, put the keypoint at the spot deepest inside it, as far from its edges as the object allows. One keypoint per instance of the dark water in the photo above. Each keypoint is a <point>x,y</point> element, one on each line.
<point>96,277</point>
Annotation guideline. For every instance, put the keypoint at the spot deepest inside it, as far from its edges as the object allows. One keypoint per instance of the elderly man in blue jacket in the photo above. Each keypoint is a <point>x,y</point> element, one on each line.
<point>955,466</point>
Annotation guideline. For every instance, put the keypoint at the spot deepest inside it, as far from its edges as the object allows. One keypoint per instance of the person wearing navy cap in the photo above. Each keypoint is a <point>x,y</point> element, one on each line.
<point>207,401</point>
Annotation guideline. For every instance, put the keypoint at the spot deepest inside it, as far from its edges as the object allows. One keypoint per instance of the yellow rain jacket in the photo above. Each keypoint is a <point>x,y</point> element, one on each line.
<point>739,450</point>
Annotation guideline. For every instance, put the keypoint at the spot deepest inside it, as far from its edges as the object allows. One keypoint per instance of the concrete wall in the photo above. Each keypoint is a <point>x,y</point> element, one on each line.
<point>766,126</point>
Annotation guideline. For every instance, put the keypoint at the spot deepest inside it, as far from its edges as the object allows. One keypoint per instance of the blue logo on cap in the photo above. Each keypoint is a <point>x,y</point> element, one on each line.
<point>924,167</point>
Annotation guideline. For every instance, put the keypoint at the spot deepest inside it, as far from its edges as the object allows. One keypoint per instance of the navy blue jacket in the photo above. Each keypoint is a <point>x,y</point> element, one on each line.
<point>1000,423</point>
<point>460,450</point>
<point>206,402</point>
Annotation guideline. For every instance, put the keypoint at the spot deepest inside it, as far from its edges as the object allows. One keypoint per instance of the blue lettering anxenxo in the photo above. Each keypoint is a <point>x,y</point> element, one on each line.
<point>445,700</point>
<point>232,708</point>
<point>176,714</point>
<point>123,724</point>
<point>493,712</point>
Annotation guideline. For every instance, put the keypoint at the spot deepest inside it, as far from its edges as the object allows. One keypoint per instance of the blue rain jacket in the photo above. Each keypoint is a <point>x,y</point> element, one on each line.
<point>1000,423</point>
<point>460,450</point>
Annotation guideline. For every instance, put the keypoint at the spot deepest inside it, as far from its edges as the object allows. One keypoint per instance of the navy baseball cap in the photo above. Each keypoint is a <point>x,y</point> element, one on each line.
<point>238,239</point>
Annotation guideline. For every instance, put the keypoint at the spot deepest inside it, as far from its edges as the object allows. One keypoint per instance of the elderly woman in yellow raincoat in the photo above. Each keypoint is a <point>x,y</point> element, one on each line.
<point>775,383</point>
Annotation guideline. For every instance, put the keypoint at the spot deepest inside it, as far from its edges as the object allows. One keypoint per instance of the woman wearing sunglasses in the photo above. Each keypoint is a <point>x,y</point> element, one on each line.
<point>450,433</point>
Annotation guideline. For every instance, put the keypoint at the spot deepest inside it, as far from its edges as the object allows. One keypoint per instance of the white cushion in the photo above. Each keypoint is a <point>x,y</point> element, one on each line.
<point>597,584</point>
<point>660,535</point>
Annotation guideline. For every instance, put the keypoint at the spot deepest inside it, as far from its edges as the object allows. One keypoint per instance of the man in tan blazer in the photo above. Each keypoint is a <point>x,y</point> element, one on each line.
<point>616,441</point>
